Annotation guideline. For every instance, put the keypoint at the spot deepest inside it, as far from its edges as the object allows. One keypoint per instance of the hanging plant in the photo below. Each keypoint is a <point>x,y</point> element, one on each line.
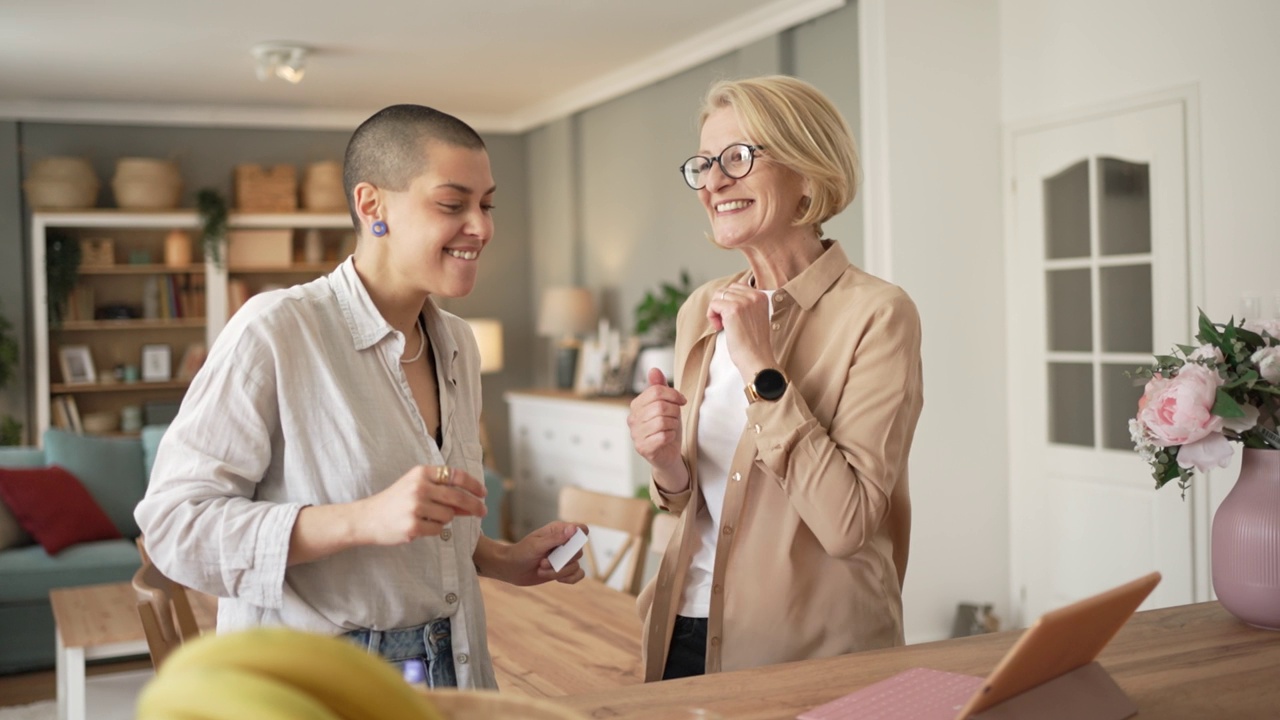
<point>62,270</point>
<point>213,223</point>
<point>10,428</point>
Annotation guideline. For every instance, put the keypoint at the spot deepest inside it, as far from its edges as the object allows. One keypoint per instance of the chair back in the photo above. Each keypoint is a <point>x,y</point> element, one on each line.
<point>627,515</point>
<point>164,609</point>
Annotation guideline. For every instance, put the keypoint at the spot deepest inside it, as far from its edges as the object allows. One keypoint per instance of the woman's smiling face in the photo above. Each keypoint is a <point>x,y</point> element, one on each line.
<point>442,222</point>
<point>756,210</point>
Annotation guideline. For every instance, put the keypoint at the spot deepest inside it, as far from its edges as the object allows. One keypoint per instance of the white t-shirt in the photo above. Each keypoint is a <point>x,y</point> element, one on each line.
<point>721,418</point>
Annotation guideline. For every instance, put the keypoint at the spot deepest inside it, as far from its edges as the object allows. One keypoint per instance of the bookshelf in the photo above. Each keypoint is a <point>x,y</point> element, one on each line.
<point>141,324</point>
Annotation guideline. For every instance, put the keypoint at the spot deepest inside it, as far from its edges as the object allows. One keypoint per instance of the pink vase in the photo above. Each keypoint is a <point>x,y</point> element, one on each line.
<point>1246,542</point>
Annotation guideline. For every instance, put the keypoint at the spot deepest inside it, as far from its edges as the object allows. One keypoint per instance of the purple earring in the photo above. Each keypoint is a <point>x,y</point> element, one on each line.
<point>379,228</point>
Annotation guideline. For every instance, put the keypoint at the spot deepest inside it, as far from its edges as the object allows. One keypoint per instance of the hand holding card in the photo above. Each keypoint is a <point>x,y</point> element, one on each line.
<point>563,554</point>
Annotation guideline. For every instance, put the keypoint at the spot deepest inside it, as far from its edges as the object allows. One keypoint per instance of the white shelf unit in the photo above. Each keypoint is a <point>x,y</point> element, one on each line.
<point>216,278</point>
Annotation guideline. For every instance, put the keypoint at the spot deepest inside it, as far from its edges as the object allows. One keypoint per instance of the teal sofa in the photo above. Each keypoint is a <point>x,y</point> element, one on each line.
<point>115,472</point>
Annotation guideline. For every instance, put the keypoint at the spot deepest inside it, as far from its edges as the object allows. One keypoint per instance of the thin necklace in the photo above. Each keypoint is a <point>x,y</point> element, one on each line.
<point>422,345</point>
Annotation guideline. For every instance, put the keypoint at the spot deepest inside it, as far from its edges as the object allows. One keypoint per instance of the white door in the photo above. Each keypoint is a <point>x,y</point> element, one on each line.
<point>1097,282</point>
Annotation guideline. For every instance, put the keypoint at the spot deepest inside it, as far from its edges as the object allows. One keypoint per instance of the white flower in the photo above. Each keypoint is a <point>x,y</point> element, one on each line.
<point>1268,361</point>
<point>1207,355</point>
<point>1270,327</point>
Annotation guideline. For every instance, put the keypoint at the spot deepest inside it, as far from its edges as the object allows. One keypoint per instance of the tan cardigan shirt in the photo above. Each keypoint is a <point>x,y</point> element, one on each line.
<point>817,517</point>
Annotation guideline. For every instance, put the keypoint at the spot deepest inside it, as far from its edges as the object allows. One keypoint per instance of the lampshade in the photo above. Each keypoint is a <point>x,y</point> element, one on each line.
<point>566,311</point>
<point>488,334</point>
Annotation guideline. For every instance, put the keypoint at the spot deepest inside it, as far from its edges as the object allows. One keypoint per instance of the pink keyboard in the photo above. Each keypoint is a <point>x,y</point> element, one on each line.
<point>916,694</point>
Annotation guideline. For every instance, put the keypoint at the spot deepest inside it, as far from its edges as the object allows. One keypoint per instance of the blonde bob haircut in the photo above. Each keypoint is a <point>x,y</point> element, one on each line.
<point>799,128</point>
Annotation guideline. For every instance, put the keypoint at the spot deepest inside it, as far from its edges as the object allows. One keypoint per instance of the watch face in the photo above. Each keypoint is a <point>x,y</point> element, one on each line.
<point>770,384</point>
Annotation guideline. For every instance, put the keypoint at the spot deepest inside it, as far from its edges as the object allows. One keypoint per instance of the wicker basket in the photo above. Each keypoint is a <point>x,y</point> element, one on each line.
<point>490,705</point>
<point>260,189</point>
<point>97,251</point>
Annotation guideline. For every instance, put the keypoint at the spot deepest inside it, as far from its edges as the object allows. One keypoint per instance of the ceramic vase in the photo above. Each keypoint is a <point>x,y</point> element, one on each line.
<point>1246,542</point>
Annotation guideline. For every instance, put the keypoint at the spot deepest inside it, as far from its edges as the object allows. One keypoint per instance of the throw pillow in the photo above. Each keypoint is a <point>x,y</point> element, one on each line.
<point>52,505</point>
<point>111,469</point>
<point>11,533</point>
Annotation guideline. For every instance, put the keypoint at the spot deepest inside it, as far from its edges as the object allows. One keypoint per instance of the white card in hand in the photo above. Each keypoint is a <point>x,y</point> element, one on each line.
<point>563,554</point>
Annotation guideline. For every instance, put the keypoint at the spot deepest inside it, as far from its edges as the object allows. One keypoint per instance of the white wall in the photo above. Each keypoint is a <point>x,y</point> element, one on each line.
<point>940,63</point>
<point>1061,56</point>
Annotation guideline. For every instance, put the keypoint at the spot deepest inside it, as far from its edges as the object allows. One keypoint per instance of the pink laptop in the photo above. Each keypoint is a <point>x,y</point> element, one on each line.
<point>1049,672</point>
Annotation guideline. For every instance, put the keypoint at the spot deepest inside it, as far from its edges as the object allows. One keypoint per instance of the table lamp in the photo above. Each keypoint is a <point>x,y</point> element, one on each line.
<point>488,332</point>
<point>566,313</point>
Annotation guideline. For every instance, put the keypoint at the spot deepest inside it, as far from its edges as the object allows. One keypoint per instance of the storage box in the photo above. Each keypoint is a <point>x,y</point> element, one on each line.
<point>259,249</point>
<point>260,189</point>
<point>97,251</point>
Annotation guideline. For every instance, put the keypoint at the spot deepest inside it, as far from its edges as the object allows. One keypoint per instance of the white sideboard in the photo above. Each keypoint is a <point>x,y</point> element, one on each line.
<point>559,439</point>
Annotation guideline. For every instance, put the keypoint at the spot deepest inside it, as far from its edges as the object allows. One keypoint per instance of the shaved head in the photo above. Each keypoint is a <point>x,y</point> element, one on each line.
<point>389,149</point>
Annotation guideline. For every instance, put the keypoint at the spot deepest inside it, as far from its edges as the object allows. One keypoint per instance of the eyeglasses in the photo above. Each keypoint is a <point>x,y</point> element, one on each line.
<point>735,162</point>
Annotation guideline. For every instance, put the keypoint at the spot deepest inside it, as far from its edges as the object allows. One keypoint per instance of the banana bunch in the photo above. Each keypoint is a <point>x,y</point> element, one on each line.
<point>270,673</point>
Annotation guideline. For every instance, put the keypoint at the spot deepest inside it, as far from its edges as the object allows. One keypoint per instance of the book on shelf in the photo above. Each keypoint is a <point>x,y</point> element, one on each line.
<point>66,415</point>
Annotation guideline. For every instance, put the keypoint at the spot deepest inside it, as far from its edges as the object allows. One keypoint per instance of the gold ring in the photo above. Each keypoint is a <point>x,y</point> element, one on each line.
<point>443,475</point>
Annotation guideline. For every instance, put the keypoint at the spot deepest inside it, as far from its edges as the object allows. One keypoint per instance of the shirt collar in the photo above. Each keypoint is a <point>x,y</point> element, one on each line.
<point>366,323</point>
<point>814,281</point>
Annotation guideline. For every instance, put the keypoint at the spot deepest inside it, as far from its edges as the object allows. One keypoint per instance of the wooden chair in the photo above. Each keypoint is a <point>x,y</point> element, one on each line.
<point>628,515</point>
<point>164,609</point>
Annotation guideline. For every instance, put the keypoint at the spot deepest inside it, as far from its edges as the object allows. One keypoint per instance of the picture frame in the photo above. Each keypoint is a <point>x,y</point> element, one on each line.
<point>591,366</point>
<point>157,363</point>
<point>76,362</point>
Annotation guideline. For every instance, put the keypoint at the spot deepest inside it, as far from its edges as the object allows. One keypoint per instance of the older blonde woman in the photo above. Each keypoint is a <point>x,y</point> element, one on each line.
<point>783,444</point>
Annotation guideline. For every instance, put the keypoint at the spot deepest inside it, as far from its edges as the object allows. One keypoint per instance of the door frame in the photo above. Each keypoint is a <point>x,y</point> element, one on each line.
<point>1189,98</point>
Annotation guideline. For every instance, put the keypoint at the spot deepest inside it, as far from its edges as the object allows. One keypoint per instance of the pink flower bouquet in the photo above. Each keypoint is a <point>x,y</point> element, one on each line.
<point>1201,398</point>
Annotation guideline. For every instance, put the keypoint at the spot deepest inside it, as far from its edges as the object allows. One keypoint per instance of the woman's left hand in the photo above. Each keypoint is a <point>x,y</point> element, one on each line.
<point>525,562</point>
<point>743,313</point>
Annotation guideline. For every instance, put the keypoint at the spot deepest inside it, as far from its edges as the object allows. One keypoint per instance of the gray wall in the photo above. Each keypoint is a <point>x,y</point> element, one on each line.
<point>624,222</point>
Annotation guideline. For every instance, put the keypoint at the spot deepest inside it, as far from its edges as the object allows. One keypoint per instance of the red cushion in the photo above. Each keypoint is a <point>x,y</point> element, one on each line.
<point>52,505</point>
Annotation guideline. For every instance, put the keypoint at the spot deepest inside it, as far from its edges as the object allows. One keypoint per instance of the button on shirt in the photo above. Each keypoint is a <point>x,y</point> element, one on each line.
<point>303,401</point>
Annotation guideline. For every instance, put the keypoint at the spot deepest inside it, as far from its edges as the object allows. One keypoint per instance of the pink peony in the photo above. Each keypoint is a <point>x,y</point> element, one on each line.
<point>1270,326</point>
<point>1179,410</point>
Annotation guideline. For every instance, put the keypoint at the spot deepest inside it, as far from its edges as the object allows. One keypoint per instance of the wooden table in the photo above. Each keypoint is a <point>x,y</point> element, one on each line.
<point>1192,661</point>
<point>556,639</point>
<point>101,621</point>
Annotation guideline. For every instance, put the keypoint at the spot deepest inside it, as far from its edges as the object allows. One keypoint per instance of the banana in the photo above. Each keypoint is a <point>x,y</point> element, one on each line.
<point>226,694</point>
<point>351,683</point>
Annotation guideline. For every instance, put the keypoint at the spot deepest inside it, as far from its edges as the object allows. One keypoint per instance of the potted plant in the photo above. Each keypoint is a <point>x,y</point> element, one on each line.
<point>1198,400</point>
<point>213,223</point>
<point>62,270</point>
<point>656,324</point>
<point>10,428</point>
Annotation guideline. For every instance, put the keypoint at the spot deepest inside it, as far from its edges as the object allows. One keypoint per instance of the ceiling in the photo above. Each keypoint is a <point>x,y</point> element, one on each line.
<point>503,65</point>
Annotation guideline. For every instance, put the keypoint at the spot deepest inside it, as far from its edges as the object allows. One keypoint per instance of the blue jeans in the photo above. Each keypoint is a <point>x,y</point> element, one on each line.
<point>430,646</point>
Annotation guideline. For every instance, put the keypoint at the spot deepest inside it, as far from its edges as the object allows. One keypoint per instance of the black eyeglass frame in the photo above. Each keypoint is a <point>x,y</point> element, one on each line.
<point>751,154</point>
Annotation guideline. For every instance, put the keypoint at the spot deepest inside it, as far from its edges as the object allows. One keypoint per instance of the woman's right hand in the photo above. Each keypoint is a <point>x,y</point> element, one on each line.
<point>420,503</point>
<point>656,431</point>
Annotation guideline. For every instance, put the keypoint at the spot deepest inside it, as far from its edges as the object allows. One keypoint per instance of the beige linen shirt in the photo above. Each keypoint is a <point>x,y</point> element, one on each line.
<point>816,520</point>
<point>303,402</point>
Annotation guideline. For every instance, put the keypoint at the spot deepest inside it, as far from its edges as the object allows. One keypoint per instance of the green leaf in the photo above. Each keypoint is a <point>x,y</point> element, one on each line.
<point>1248,377</point>
<point>1166,359</point>
<point>1208,333</point>
<point>1225,406</point>
<point>1187,349</point>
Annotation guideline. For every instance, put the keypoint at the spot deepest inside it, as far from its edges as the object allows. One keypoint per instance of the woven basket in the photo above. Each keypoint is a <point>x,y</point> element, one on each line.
<point>491,705</point>
<point>260,189</point>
